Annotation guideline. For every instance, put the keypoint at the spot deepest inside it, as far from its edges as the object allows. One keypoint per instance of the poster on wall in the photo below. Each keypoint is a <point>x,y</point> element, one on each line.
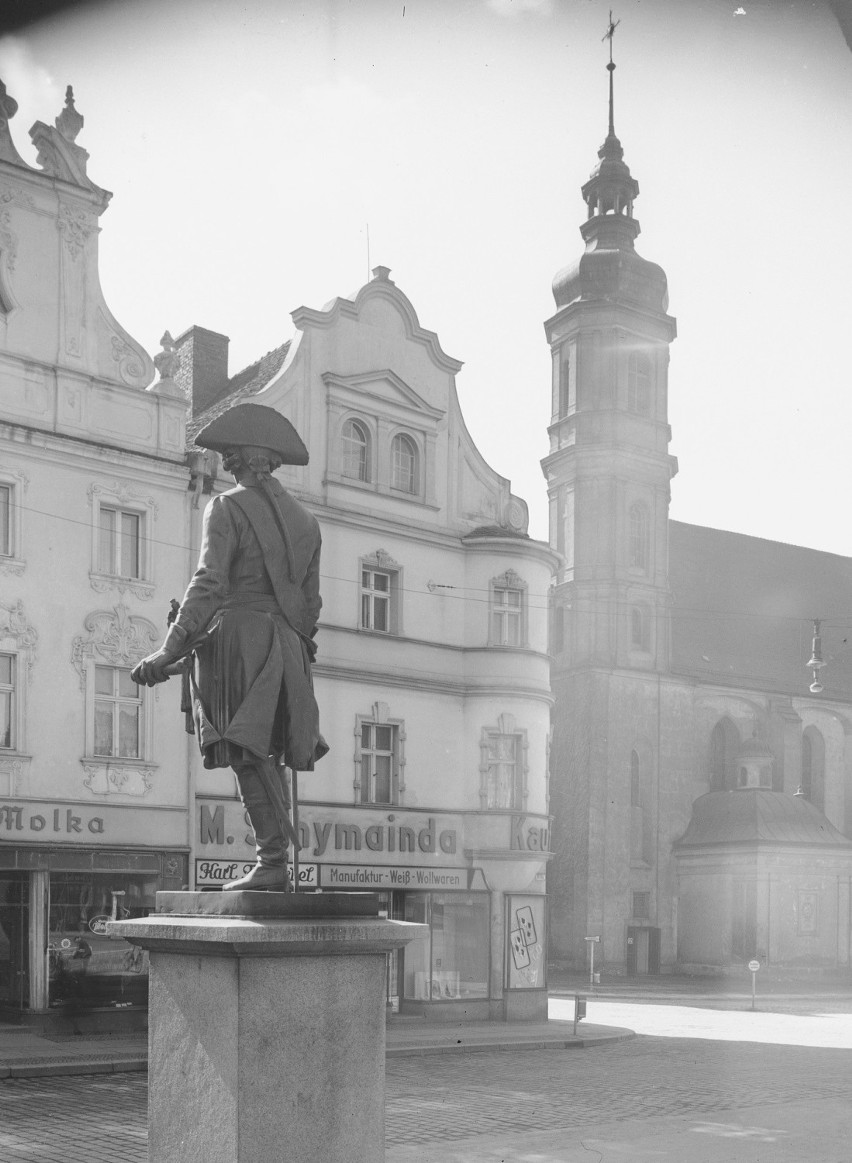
<point>526,959</point>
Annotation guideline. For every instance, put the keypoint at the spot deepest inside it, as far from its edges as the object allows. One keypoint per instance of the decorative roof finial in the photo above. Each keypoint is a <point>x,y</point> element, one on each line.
<point>608,35</point>
<point>69,122</point>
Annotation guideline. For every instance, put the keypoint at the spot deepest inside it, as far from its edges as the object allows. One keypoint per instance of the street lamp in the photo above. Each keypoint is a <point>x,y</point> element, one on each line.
<point>816,663</point>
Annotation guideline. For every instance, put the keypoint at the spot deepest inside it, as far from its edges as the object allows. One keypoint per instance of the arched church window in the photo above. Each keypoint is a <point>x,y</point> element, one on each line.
<point>404,464</point>
<point>639,383</point>
<point>813,767</point>
<point>724,743</point>
<point>356,451</point>
<point>640,635</point>
<point>639,540</point>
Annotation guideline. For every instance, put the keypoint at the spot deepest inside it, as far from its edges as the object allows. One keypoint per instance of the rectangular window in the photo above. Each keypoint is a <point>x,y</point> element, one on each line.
<point>642,905</point>
<point>375,600</point>
<point>119,546</point>
<point>7,700</point>
<point>503,785</point>
<point>379,763</point>
<point>118,713</point>
<point>5,521</point>
<point>506,617</point>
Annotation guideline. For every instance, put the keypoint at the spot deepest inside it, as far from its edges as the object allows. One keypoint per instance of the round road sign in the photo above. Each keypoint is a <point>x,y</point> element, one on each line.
<point>754,966</point>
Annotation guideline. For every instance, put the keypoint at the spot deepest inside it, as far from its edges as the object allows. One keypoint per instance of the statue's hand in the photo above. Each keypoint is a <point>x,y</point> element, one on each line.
<point>152,670</point>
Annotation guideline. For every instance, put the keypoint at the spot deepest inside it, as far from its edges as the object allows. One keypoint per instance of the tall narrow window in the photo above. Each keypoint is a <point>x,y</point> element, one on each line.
<point>639,383</point>
<point>638,547</point>
<point>503,772</point>
<point>375,600</point>
<point>813,767</point>
<point>404,464</point>
<point>356,451</point>
<point>567,386</point>
<point>506,617</point>
<point>118,713</point>
<point>639,628</point>
<point>5,521</point>
<point>119,545</point>
<point>7,700</point>
<point>379,753</point>
<point>635,781</point>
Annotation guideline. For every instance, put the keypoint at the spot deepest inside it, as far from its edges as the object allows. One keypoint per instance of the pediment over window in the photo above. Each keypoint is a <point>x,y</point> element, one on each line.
<point>378,390</point>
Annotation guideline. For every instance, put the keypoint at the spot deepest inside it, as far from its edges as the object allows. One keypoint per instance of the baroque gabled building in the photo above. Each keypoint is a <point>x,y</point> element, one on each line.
<point>432,675</point>
<point>702,792</point>
<point>93,516</point>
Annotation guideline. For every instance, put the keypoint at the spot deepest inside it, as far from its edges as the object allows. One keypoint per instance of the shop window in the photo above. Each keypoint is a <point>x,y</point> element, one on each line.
<point>355,440</point>
<point>508,610</point>
<point>503,767</point>
<point>118,713</point>
<point>380,593</point>
<point>404,465</point>
<point>639,383</point>
<point>85,966</point>
<point>378,757</point>
<point>451,963</point>
<point>638,548</point>
<point>14,939</point>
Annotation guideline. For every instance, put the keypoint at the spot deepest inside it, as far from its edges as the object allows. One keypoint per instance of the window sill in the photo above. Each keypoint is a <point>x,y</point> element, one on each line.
<point>113,776</point>
<point>102,582</point>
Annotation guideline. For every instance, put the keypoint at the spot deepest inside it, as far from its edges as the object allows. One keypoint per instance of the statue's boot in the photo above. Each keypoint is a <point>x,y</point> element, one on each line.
<point>271,872</point>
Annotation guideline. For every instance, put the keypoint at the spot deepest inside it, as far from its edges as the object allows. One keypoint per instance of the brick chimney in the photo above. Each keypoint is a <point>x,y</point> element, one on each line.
<point>203,372</point>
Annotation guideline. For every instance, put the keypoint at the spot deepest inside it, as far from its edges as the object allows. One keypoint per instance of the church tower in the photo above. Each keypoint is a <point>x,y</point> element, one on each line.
<point>608,476</point>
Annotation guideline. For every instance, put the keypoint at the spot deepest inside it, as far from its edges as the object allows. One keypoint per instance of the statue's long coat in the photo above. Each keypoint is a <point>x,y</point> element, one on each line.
<point>250,685</point>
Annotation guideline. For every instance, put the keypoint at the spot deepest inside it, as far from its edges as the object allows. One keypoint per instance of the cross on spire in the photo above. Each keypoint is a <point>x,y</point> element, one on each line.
<point>608,35</point>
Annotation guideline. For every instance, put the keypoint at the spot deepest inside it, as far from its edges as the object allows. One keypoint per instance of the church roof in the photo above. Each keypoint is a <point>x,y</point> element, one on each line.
<point>742,611</point>
<point>758,816</point>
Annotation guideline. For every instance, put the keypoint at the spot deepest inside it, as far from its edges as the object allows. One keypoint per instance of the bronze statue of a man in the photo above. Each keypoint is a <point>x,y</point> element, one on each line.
<point>247,621</point>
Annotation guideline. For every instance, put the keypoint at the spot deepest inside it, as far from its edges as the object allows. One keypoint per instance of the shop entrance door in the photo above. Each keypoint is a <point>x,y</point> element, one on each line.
<point>14,940</point>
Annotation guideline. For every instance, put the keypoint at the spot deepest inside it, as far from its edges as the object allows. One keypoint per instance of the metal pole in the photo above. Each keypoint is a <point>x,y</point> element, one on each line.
<point>295,810</point>
<point>753,985</point>
<point>592,969</point>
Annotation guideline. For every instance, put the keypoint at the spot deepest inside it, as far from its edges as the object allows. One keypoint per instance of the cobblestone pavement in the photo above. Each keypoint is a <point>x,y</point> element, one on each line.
<point>434,1102</point>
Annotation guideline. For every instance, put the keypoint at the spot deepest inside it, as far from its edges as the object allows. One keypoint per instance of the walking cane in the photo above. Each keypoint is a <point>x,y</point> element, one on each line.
<point>296,844</point>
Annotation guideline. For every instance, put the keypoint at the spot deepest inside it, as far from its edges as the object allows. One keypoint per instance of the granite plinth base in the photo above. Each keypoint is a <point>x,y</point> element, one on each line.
<point>266,1032</point>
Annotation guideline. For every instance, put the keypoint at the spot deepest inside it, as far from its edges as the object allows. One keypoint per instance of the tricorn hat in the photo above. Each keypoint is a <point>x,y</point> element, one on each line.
<point>254,424</point>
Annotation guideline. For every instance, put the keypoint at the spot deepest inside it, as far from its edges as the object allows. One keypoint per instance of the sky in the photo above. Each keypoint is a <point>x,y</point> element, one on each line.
<point>265,155</point>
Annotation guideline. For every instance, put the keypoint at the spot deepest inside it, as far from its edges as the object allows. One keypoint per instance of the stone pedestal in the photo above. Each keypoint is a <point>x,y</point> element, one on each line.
<point>266,1026</point>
